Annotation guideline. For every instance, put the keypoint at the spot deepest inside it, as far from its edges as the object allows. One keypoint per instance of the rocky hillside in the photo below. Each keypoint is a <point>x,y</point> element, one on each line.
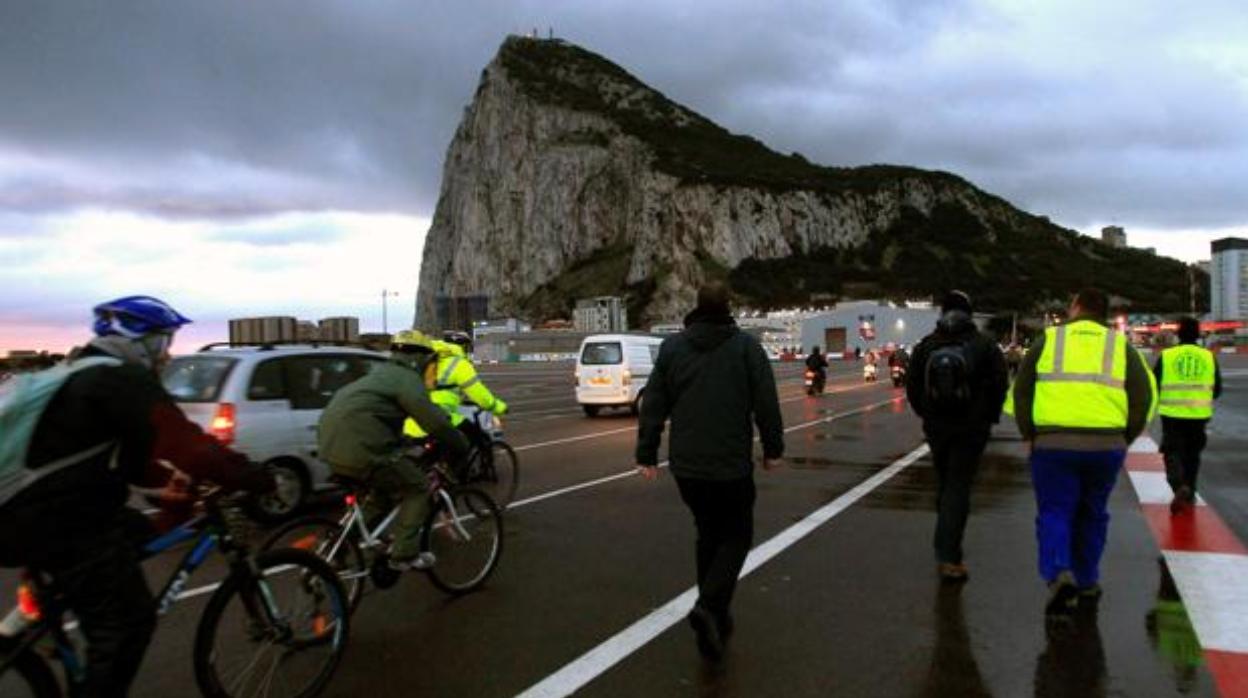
<point>568,177</point>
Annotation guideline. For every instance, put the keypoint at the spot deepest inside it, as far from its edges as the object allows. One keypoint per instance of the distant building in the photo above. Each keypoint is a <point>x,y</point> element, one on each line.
<point>1229,279</point>
<point>868,325</point>
<point>306,331</point>
<point>262,330</point>
<point>482,328</point>
<point>340,329</point>
<point>460,312</point>
<point>1204,265</point>
<point>1114,236</point>
<point>667,328</point>
<point>377,341</point>
<point>601,314</point>
<point>541,345</point>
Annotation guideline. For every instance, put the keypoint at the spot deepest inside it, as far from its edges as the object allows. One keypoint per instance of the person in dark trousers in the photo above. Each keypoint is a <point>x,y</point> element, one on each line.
<point>105,428</point>
<point>1082,395</point>
<point>957,385</point>
<point>1189,380</point>
<point>713,381</point>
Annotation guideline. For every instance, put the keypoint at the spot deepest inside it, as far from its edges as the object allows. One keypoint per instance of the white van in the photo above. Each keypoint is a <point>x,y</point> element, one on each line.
<point>612,370</point>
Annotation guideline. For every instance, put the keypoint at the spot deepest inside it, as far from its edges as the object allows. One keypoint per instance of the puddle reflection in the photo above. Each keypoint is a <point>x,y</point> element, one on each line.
<point>1171,634</point>
<point>953,670</point>
<point>1072,664</point>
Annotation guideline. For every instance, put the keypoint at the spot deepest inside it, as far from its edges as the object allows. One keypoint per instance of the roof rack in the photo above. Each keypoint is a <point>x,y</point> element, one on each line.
<point>270,346</point>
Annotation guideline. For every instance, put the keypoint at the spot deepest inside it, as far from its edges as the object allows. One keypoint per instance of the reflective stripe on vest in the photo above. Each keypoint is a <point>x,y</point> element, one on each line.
<point>1187,378</point>
<point>1081,378</point>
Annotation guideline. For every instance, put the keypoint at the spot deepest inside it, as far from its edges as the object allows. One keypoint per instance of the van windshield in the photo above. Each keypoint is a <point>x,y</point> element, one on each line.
<point>602,353</point>
<point>196,378</point>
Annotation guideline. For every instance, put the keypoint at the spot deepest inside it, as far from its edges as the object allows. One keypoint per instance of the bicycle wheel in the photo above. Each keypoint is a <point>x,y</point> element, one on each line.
<point>466,541</point>
<point>324,537</point>
<point>241,650</point>
<point>498,476</point>
<point>29,677</point>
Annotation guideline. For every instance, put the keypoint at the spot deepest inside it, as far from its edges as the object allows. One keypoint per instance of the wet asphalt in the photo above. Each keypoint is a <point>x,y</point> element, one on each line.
<point>853,609</point>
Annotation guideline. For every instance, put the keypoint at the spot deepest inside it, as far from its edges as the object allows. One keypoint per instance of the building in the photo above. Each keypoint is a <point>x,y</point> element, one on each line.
<point>307,331</point>
<point>601,314</point>
<point>868,325</point>
<point>485,327</point>
<point>1229,279</point>
<point>1114,236</point>
<point>460,312</point>
<point>377,341</point>
<point>263,330</point>
<point>542,345</point>
<point>340,329</point>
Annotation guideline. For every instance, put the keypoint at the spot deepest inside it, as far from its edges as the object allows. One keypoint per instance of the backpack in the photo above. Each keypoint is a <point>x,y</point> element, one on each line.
<point>948,384</point>
<point>23,399</point>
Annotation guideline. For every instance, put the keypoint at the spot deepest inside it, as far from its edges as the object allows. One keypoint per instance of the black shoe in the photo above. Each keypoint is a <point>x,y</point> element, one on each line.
<point>1063,596</point>
<point>726,626</point>
<point>710,642</point>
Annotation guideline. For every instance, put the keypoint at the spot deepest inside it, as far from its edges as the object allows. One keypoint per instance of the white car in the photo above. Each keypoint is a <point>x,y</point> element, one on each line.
<point>265,401</point>
<point>612,370</point>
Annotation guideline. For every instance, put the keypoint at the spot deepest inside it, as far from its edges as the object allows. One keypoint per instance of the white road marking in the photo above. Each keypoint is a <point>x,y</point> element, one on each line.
<point>1152,488</point>
<point>610,478</point>
<point>595,662</point>
<point>1211,586</point>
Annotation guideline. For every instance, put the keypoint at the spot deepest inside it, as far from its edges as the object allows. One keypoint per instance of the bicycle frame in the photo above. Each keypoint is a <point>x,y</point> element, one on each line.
<point>353,519</point>
<point>207,533</point>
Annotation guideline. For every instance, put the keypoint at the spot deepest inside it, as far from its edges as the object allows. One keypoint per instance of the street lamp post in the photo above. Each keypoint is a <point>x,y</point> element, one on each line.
<point>385,296</point>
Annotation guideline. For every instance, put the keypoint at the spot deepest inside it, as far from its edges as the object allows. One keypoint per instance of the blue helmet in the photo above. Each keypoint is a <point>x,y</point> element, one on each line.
<point>136,316</point>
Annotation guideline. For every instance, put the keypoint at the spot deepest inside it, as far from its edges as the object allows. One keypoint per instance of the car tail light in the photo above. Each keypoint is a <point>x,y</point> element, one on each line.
<point>223,423</point>
<point>27,604</point>
<point>626,378</point>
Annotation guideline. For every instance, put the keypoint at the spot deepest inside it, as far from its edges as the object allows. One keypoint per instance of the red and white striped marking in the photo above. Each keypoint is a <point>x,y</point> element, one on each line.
<point>1209,565</point>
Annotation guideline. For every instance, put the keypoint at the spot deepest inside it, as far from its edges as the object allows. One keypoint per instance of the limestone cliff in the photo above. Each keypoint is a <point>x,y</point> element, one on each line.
<point>568,177</point>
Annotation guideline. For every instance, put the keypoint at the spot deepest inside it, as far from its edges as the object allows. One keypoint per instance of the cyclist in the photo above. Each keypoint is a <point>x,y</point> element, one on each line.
<point>105,427</point>
<point>361,436</point>
<point>455,378</point>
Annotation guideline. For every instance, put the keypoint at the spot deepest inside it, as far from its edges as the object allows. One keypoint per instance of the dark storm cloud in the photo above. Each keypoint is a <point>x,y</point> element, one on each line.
<point>236,109</point>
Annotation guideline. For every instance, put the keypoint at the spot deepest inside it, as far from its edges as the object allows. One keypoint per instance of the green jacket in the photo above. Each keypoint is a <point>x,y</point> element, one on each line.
<point>363,423</point>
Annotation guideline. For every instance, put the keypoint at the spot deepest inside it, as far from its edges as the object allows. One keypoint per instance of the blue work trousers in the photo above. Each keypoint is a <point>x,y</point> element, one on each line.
<point>1072,520</point>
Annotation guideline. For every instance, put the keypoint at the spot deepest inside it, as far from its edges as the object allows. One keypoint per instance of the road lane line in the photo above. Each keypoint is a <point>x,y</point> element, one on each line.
<point>589,666</point>
<point>610,432</point>
<point>618,476</point>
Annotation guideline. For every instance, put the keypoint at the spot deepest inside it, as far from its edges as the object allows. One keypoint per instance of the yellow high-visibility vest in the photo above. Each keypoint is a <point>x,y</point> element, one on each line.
<point>1081,378</point>
<point>1187,378</point>
<point>455,378</point>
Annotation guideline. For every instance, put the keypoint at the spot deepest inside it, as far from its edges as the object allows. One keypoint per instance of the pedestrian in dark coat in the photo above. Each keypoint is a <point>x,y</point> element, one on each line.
<point>714,382</point>
<point>957,384</point>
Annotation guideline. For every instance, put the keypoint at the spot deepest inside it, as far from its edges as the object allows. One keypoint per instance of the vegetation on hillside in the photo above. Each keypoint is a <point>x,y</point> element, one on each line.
<point>1028,265</point>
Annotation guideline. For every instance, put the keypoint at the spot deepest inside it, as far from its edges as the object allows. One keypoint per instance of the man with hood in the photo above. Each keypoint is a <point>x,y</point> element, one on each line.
<point>957,387</point>
<point>713,381</point>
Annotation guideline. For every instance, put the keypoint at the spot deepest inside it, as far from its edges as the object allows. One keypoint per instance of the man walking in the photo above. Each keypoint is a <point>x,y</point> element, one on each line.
<point>1082,395</point>
<point>713,380</point>
<point>957,387</point>
<point>1189,380</point>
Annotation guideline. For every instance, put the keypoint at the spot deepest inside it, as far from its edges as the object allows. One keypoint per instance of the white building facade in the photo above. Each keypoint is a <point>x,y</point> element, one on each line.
<point>1229,279</point>
<point>604,314</point>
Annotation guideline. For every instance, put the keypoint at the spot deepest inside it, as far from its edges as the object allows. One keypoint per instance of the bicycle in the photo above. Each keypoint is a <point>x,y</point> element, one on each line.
<point>496,470</point>
<point>464,531</point>
<point>251,614</point>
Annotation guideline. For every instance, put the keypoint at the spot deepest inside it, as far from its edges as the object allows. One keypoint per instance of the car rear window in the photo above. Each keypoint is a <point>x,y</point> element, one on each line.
<point>602,353</point>
<point>196,378</point>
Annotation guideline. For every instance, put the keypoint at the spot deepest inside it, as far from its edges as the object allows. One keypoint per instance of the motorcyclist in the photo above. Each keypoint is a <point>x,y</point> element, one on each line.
<point>361,436</point>
<point>455,379</point>
<point>105,428</point>
<point>816,361</point>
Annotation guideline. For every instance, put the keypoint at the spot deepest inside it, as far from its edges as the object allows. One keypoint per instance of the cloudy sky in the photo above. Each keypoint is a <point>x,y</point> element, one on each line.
<point>284,157</point>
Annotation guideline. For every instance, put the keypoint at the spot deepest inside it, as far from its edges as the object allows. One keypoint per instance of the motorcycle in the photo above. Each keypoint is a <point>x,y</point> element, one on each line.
<point>899,375</point>
<point>814,382</point>
<point>868,373</point>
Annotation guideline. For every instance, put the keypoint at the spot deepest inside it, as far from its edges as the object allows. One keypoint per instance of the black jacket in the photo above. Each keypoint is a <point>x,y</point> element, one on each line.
<point>715,383</point>
<point>989,378</point>
<point>128,405</point>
